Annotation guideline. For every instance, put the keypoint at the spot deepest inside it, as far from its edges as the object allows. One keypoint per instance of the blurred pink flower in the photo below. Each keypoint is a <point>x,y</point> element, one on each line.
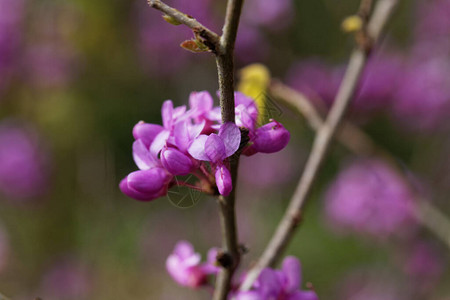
<point>422,101</point>
<point>24,166</point>
<point>320,83</point>
<point>424,265</point>
<point>369,197</point>
<point>185,267</point>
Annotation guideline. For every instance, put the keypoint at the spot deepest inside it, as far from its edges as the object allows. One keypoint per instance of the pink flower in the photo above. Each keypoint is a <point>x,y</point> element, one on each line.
<point>215,148</point>
<point>185,267</point>
<point>369,197</point>
<point>195,142</point>
<point>281,284</point>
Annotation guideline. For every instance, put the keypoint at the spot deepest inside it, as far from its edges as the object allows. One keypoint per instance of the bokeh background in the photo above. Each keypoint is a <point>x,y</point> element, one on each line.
<point>75,76</point>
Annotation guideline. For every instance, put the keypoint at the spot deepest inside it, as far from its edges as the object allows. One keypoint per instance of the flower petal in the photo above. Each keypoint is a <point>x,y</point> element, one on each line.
<point>271,138</point>
<point>231,137</point>
<point>135,194</point>
<point>214,148</point>
<point>197,148</point>
<point>292,271</point>
<point>159,142</point>
<point>146,132</point>
<point>142,157</point>
<point>176,162</point>
<point>249,295</point>
<point>223,180</point>
<point>201,101</point>
<point>153,181</point>
<point>167,114</point>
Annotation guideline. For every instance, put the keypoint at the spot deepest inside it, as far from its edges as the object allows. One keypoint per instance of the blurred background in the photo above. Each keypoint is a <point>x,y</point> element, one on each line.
<point>76,76</point>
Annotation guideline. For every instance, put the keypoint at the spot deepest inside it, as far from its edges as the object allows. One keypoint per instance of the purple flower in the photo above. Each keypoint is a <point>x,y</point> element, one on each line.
<point>270,138</point>
<point>369,197</point>
<point>320,82</point>
<point>215,148</point>
<point>195,142</point>
<point>424,265</point>
<point>423,96</point>
<point>23,165</point>
<point>281,284</point>
<point>272,14</point>
<point>185,267</point>
<point>151,181</point>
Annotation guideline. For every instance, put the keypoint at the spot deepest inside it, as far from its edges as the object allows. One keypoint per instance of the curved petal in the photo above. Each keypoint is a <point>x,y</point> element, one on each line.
<point>181,135</point>
<point>231,137</point>
<point>214,148</point>
<point>197,148</point>
<point>141,155</point>
<point>292,273</point>
<point>201,101</point>
<point>269,284</point>
<point>271,138</point>
<point>159,142</point>
<point>250,295</point>
<point>167,114</point>
<point>223,180</point>
<point>152,181</point>
<point>133,193</point>
<point>176,162</point>
<point>184,249</point>
<point>146,132</point>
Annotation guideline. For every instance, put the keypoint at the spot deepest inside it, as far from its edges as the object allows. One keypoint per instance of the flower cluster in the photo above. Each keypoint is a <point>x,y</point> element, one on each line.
<point>185,267</point>
<point>195,141</point>
<point>281,284</point>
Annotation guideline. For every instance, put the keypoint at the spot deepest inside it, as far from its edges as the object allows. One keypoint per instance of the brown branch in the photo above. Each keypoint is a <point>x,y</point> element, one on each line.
<point>290,220</point>
<point>225,69</point>
<point>210,38</point>
<point>359,143</point>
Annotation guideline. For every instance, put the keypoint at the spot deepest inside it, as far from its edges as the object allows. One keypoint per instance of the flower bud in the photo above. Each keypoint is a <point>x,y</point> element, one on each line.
<point>146,185</point>
<point>271,138</point>
<point>176,162</point>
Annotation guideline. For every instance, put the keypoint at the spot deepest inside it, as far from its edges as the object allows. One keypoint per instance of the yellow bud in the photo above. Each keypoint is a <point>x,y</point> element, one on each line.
<point>171,20</point>
<point>352,24</point>
<point>254,81</point>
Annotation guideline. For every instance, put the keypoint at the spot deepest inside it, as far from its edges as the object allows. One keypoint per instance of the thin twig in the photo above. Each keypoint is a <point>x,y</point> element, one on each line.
<point>211,39</point>
<point>225,69</point>
<point>291,218</point>
<point>359,143</point>
<point>433,219</point>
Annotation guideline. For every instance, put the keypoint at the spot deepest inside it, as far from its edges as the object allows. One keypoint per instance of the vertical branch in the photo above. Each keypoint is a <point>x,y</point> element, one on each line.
<point>225,69</point>
<point>292,216</point>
